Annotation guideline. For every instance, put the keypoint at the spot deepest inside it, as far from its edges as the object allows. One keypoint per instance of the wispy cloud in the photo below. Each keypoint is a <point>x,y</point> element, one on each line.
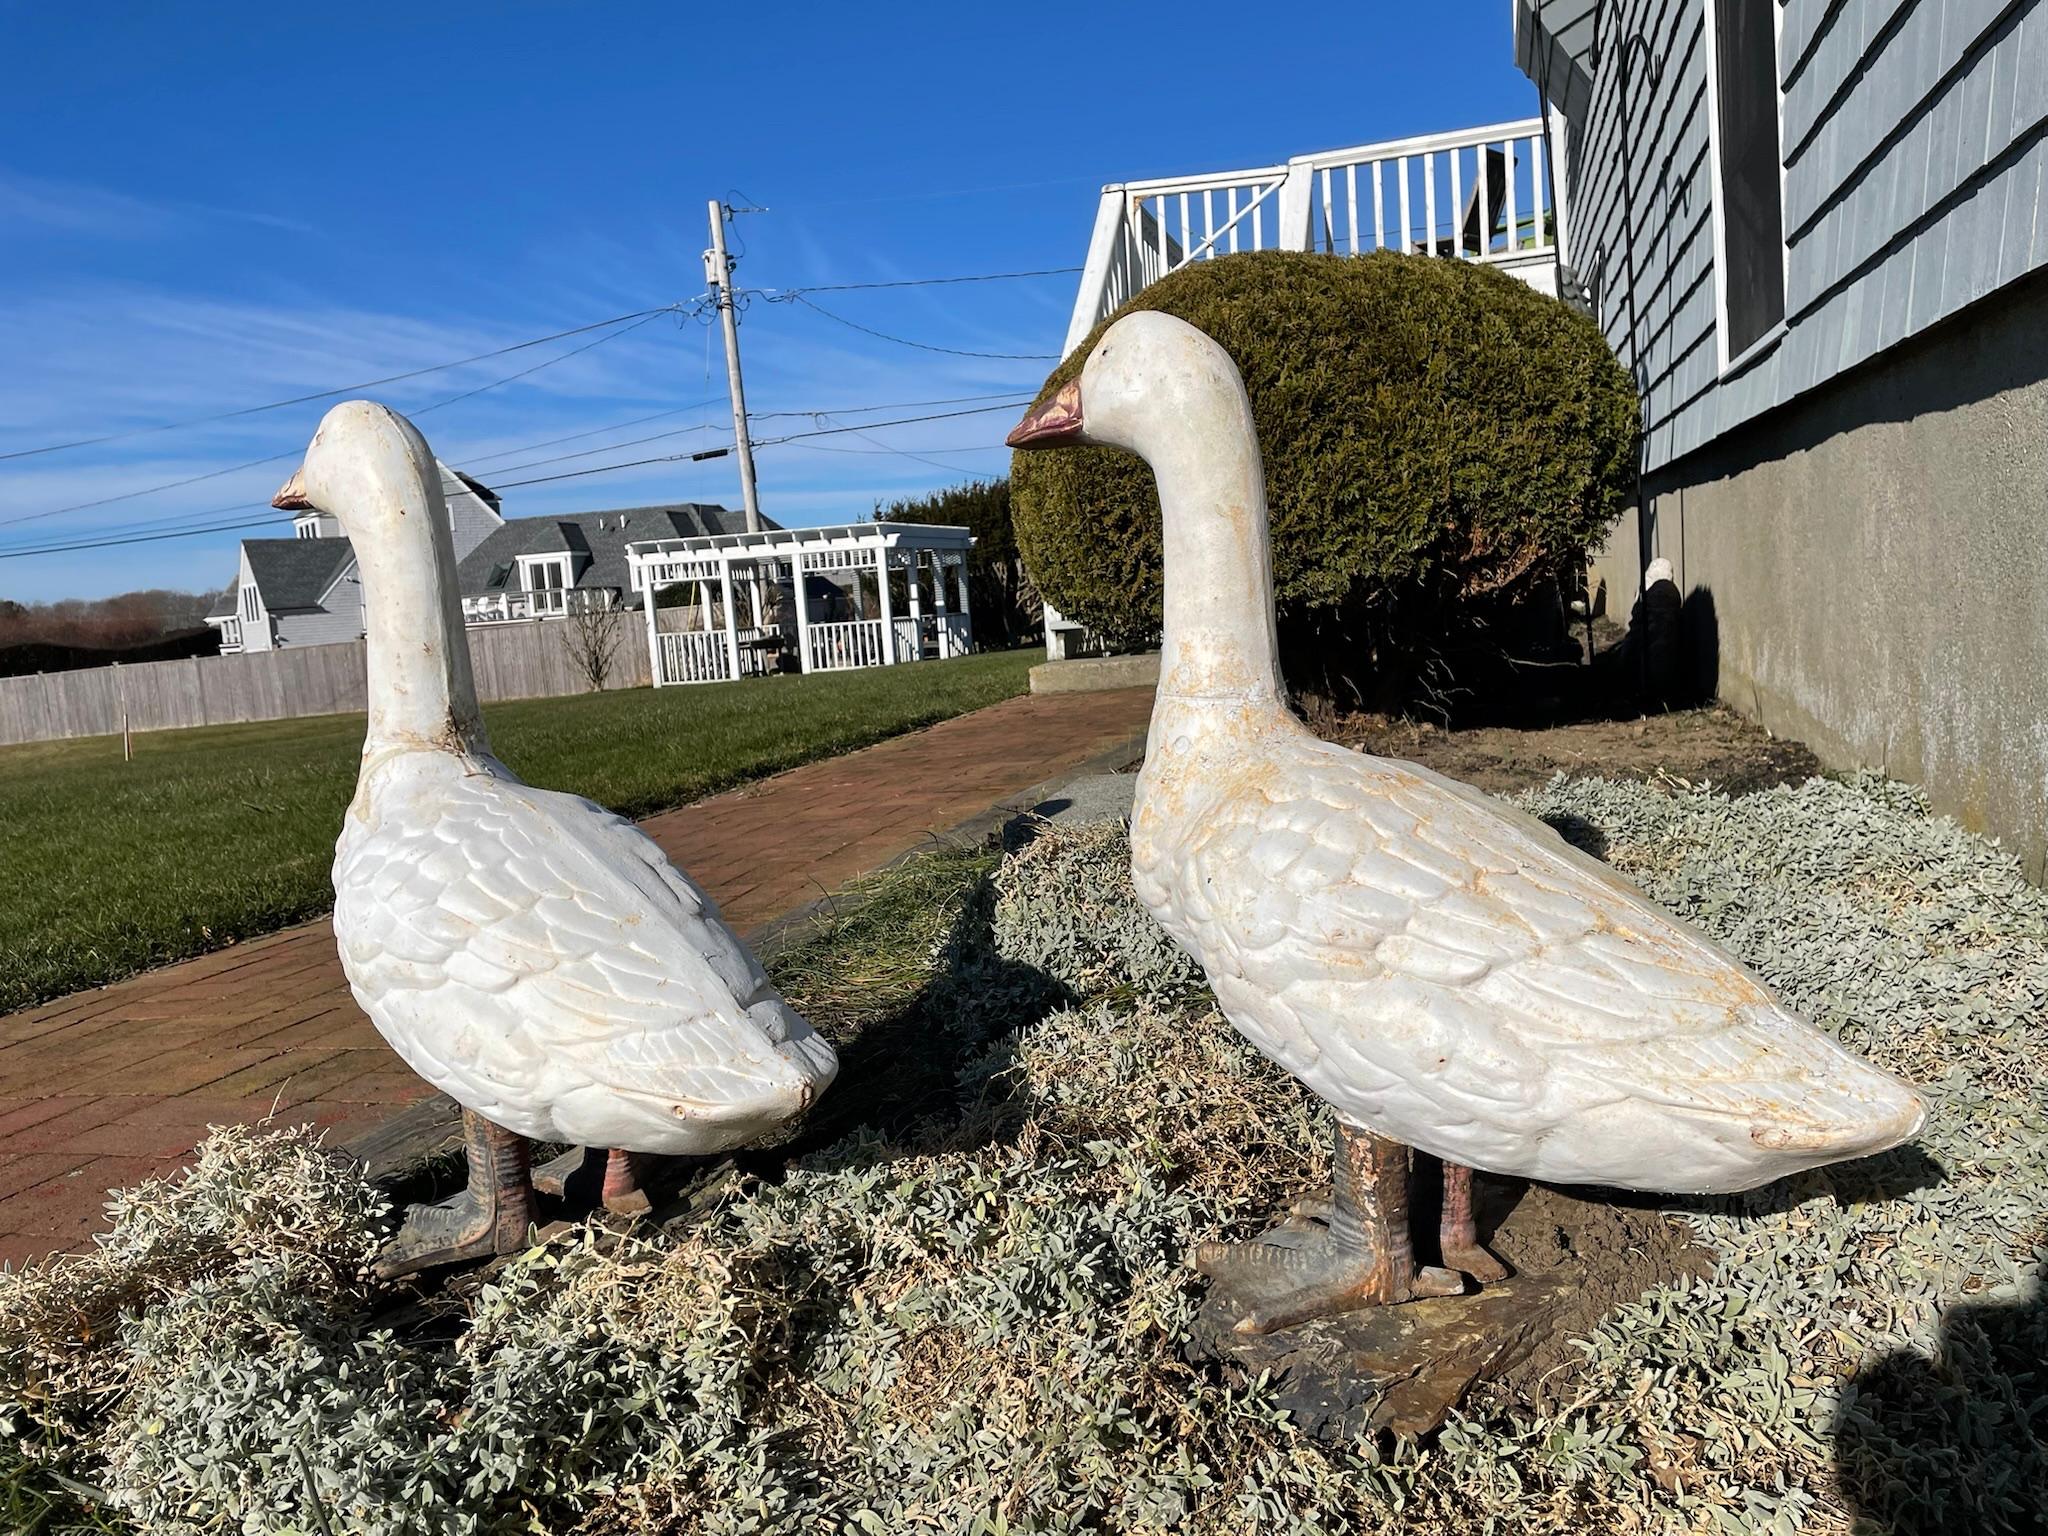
<point>104,354</point>
<point>81,208</point>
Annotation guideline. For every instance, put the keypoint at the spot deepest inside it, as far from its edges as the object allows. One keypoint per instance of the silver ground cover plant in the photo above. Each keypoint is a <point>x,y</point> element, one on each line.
<point>973,1321</point>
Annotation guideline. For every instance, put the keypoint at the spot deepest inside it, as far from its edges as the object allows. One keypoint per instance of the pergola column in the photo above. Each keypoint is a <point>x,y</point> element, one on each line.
<point>914,580</point>
<point>939,605</point>
<point>732,638</point>
<point>803,611</point>
<point>966,607</point>
<point>888,612</point>
<point>653,638</point>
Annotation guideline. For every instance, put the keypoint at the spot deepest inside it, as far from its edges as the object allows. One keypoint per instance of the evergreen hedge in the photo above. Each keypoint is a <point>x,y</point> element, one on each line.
<point>1438,438</point>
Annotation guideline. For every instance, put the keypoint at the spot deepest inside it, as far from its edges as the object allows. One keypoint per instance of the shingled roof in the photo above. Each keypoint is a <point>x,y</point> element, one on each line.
<point>295,573</point>
<point>598,541</point>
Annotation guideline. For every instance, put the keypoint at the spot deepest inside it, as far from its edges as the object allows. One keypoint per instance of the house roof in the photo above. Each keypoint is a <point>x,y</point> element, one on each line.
<point>597,539</point>
<point>226,605</point>
<point>295,573</point>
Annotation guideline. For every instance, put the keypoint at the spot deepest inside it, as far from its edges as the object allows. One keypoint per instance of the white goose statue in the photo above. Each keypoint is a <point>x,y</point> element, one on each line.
<point>533,956</point>
<point>1445,972</point>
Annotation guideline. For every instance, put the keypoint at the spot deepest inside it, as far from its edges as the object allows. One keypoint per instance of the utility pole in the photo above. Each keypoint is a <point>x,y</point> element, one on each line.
<point>718,273</point>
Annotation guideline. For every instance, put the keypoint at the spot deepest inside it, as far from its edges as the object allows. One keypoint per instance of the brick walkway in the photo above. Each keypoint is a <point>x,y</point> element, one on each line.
<point>103,1088</point>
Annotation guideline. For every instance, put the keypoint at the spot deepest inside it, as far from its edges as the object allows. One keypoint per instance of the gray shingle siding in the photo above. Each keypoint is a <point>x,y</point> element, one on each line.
<point>1912,137</point>
<point>471,517</point>
<point>295,573</point>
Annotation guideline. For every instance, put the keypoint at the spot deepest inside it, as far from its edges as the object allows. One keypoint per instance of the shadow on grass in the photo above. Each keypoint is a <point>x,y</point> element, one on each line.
<point>906,983</point>
<point>1957,1441</point>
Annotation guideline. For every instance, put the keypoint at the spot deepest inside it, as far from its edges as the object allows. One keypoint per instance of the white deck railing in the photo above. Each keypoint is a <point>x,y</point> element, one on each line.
<point>692,656</point>
<point>932,634</point>
<point>517,607</point>
<point>913,636</point>
<point>1484,194</point>
<point>849,643</point>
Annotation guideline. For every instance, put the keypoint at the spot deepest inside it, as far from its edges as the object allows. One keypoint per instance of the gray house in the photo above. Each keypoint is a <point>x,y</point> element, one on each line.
<point>1813,231</point>
<point>303,590</point>
<point>548,567</point>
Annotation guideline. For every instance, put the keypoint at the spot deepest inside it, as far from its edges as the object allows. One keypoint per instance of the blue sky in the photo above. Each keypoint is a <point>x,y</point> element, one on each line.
<point>209,207</point>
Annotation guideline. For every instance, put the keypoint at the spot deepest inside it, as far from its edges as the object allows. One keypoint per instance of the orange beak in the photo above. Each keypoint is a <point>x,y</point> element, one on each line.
<point>1052,424</point>
<point>292,496</point>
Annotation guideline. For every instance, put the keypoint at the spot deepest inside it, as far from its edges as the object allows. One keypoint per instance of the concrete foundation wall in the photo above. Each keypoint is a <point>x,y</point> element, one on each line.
<point>1867,569</point>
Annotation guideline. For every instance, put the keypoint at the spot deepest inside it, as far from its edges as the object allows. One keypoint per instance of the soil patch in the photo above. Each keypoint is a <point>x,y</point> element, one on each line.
<point>1575,1256</point>
<point>1697,746</point>
<point>1606,1252</point>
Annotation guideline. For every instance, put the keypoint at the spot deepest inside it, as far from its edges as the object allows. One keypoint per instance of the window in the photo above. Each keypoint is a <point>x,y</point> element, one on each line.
<point>249,603</point>
<point>547,577</point>
<point>1749,199</point>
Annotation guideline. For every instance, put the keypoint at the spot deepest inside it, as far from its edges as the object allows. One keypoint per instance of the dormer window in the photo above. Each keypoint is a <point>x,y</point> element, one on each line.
<point>548,579</point>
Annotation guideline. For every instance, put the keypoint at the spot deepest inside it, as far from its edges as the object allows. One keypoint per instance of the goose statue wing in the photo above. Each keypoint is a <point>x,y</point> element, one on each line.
<point>541,961</point>
<point>1448,971</point>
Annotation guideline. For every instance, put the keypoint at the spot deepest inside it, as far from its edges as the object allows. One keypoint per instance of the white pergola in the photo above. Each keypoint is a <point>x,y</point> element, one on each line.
<point>802,590</point>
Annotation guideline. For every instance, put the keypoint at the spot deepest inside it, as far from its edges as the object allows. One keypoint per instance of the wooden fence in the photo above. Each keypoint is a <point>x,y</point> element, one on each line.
<point>511,661</point>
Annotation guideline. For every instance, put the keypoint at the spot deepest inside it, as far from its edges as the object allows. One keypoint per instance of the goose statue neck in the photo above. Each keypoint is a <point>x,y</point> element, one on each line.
<point>370,469</point>
<point>1161,389</point>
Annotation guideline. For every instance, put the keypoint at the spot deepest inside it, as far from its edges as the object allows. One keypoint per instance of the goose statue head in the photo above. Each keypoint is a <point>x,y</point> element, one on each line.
<point>370,470</point>
<point>530,954</point>
<point>1440,968</point>
<point>1157,387</point>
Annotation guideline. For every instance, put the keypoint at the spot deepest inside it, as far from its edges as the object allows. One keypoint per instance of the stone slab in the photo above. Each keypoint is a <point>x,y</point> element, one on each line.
<point>1088,674</point>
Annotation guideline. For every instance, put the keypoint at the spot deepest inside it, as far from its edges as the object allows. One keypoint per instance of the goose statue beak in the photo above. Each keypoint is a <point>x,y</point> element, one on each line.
<point>292,496</point>
<point>1052,424</point>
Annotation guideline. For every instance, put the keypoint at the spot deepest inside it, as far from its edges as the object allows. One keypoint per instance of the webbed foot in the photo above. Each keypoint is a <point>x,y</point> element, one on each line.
<point>453,1232</point>
<point>1301,1270</point>
<point>491,1216</point>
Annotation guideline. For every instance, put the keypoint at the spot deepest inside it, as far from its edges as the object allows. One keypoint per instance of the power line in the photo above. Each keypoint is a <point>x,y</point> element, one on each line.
<point>135,538</point>
<point>571,437</point>
<point>893,405</point>
<point>560,357</point>
<point>574,474</point>
<point>766,442</point>
<point>900,453</point>
<point>923,346</point>
<point>278,458</point>
<point>184,522</point>
<point>584,453</point>
<point>344,389</point>
<point>779,295</point>
<point>475,466</point>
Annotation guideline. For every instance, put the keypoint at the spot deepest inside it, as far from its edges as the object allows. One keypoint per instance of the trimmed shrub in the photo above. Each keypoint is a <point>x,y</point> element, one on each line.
<point>1437,437</point>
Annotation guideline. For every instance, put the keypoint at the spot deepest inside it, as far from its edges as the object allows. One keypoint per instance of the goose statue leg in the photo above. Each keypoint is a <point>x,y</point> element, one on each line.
<point>1361,1257</point>
<point>491,1216</point>
<point>623,1195</point>
<point>1459,1233</point>
<point>619,1190</point>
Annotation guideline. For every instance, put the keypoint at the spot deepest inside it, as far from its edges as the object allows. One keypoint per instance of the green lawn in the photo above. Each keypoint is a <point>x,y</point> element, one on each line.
<point>210,836</point>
